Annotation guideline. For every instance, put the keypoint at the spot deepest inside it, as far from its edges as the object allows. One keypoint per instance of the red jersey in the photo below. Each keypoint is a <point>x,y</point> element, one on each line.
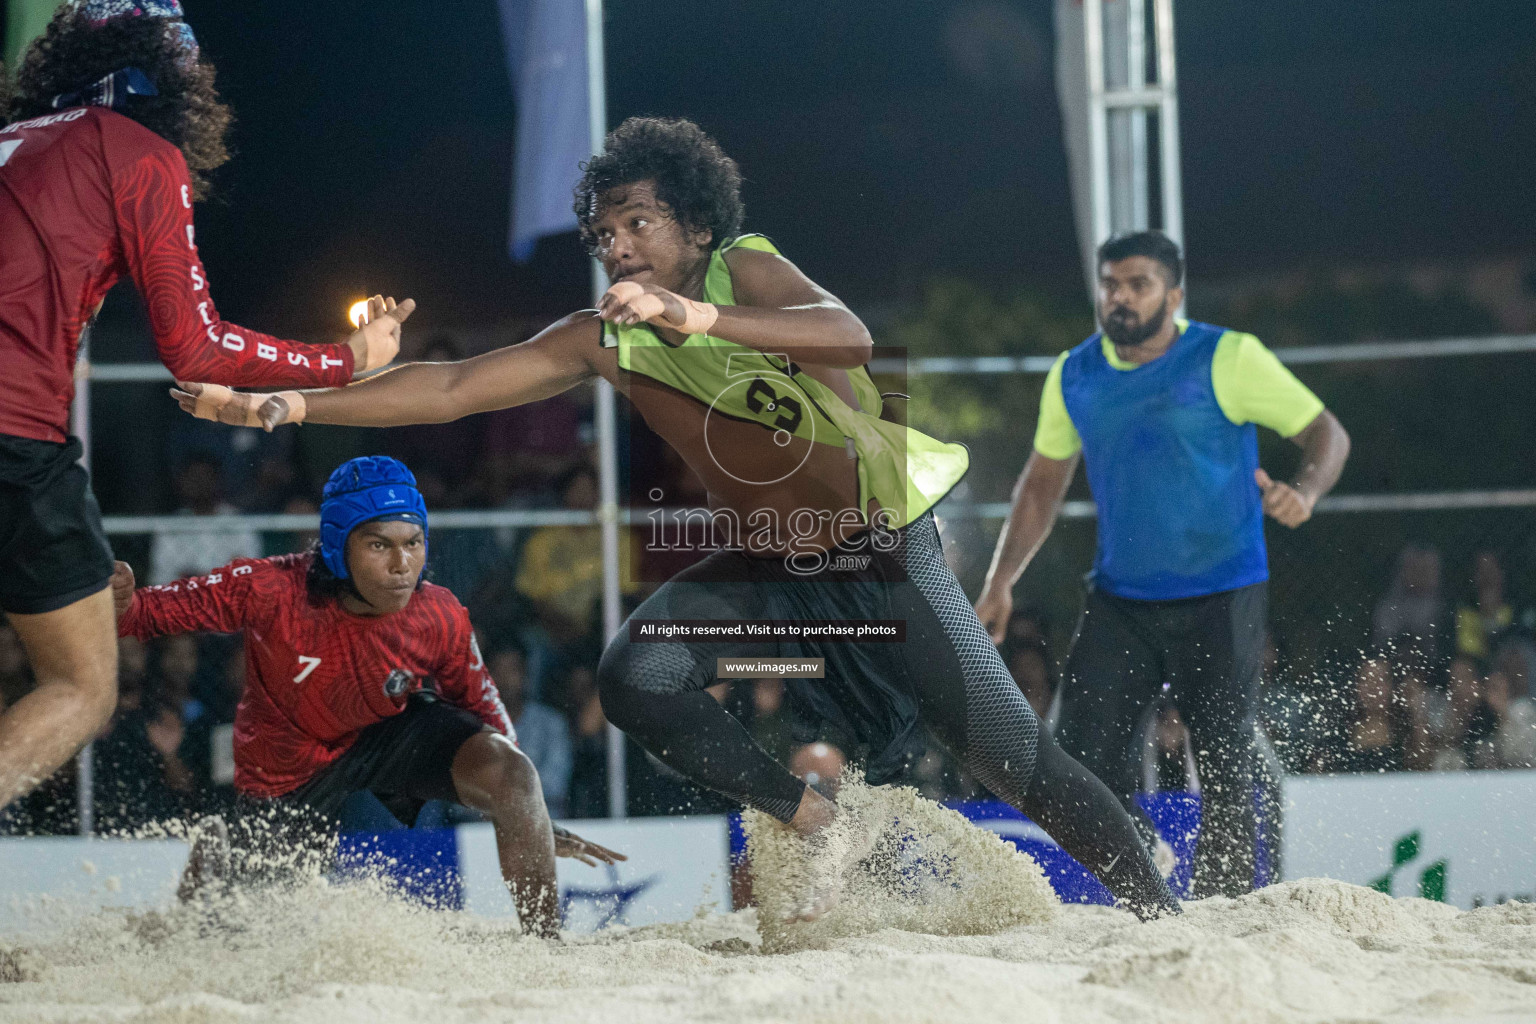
<point>316,674</point>
<point>86,196</point>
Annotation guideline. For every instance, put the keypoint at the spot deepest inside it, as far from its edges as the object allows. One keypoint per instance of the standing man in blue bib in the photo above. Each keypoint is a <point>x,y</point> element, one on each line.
<point>1162,413</point>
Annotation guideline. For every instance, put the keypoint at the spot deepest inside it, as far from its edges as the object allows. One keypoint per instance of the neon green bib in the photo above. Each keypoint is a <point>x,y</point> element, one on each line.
<point>905,470</point>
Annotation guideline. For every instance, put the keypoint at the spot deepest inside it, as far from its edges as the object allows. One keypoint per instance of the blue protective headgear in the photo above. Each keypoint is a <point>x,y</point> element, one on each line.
<point>364,490</point>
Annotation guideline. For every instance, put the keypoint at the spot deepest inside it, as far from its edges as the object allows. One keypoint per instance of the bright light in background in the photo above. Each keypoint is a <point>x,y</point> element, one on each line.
<point>357,311</point>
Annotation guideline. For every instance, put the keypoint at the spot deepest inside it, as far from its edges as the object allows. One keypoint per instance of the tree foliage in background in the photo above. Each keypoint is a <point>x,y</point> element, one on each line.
<point>960,318</point>
<point>994,416</point>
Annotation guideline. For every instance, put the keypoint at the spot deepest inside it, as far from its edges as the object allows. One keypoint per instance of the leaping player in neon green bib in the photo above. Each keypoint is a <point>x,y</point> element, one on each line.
<point>757,376</point>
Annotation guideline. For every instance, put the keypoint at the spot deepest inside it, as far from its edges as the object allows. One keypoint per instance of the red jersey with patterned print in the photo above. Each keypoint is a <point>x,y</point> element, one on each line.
<point>86,196</point>
<point>315,673</point>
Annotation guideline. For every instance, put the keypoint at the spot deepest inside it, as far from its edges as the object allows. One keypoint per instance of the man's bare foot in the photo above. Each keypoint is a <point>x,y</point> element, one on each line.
<point>835,841</point>
<point>815,813</point>
<point>821,899</point>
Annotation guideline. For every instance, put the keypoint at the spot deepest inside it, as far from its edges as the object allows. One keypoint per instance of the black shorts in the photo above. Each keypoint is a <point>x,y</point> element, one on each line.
<point>405,761</point>
<point>1205,653</point>
<point>52,548</point>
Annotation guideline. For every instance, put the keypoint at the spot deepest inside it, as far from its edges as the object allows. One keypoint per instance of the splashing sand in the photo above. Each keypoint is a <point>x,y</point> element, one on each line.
<point>930,871</point>
<point>907,944</point>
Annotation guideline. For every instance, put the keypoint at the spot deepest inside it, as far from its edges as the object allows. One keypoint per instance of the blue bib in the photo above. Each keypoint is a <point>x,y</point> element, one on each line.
<point>1172,477</point>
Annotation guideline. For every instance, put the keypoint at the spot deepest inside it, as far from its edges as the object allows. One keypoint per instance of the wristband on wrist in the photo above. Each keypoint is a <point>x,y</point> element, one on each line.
<point>377,351</point>
<point>210,399</point>
<point>297,406</point>
<point>698,317</point>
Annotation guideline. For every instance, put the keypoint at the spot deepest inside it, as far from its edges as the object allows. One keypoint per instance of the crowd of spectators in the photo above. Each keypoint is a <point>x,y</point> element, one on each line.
<point>1442,686</point>
<point>166,753</point>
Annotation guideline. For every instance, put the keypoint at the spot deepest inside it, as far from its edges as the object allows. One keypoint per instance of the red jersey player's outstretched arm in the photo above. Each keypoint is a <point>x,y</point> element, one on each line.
<point>555,360</point>
<point>152,196</point>
<point>226,600</point>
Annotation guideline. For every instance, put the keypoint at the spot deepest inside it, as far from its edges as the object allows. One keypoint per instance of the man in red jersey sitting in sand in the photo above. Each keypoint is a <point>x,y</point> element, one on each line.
<point>360,675</point>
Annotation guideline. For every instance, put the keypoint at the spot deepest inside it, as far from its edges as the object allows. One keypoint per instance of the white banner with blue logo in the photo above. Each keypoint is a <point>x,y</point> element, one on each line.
<point>676,867</point>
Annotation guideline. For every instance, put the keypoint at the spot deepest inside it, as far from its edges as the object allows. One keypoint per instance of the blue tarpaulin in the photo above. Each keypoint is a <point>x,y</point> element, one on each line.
<point>546,44</point>
<point>426,861</point>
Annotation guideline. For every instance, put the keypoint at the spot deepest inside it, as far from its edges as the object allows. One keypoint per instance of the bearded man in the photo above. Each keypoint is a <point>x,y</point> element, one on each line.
<point>1161,412</point>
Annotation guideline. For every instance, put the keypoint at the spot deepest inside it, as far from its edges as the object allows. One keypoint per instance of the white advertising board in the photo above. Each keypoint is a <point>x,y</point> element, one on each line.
<point>1468,838</point>
<point>675,866</point>
<point>45,881</point>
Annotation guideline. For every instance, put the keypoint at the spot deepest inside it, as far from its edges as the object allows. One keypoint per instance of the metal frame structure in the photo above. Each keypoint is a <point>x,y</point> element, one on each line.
<point>1353,352</point>
<point>606,417</point>
<point>1122,92</point>
<point>1434,348</point>
<point>80,426</point>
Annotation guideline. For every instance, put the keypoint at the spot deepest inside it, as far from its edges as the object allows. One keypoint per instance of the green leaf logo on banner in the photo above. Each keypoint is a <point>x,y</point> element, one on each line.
<point>1432,880</point>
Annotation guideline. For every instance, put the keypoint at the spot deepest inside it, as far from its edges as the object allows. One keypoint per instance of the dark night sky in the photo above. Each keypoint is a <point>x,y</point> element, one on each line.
<point>881,143</point>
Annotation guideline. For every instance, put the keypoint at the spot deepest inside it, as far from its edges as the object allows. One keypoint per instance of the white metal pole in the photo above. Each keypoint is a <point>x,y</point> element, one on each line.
<point>1136,79</point>
<point>1098,149</point>
<point>80,426</point>
<point>607,421</point>
<point>1168,117</point>
<point>1117,120</point>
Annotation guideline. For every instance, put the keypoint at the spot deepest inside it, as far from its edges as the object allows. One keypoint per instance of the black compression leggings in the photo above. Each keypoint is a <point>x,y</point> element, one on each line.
<point>655,693</point>
<point>1209,649</point>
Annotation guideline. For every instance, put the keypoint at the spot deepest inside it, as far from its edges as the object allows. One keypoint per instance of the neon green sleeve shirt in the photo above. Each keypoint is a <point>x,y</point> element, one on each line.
<point>1251,385</point>
<point>1055,436</point>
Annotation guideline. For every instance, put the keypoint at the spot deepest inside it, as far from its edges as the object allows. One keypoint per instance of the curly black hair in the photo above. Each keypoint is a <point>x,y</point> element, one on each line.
<point>323,586</point>
<point>73,53</point>
<point>694,178</point>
